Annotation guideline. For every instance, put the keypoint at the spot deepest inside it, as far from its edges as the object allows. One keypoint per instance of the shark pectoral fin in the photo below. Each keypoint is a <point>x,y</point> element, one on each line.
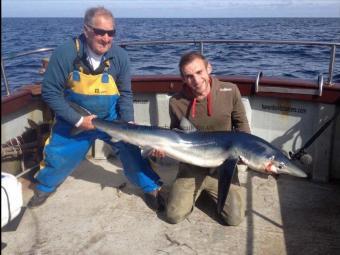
<point>226,172</point>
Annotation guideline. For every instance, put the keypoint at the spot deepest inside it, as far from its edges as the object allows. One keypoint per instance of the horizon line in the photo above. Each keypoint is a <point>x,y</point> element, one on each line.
<point>241,17</point>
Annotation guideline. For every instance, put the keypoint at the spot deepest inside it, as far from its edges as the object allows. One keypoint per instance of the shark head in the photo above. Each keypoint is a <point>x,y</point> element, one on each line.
<point>280,164</point>
<point>262,156</point>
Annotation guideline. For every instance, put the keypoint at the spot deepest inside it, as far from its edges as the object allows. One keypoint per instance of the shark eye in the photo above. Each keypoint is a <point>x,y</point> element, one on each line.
<point>281,165</point>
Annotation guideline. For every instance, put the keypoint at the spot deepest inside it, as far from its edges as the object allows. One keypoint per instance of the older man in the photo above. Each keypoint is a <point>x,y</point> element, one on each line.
<point>91,71</point>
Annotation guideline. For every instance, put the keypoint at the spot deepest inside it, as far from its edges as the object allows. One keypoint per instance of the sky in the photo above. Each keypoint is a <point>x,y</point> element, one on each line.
<point>174,8</point>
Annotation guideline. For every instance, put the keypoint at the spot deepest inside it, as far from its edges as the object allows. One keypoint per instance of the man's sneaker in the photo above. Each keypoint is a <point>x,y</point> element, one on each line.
<point>155,202</point>
<point>38,198</point>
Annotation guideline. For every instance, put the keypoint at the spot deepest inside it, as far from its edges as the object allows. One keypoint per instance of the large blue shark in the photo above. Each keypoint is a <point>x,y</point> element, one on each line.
<point>205,149</point>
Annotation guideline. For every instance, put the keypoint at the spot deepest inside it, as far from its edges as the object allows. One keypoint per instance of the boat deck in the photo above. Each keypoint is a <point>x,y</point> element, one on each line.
<point>94,213</point>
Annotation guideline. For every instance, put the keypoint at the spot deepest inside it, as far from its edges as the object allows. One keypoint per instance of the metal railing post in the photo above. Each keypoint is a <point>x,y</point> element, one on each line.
<point>331,65</point>
<point>201,47</point>
<point>4,77</point>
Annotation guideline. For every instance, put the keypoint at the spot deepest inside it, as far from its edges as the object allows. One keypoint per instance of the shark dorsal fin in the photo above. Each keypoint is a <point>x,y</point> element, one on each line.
<point>186,125</point>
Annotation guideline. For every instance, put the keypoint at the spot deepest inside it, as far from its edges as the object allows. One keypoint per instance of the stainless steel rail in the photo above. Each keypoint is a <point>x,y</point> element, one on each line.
<point>201,44</point>
<point>16,55</point>
<point>3,74</point>
<point>284,90</point>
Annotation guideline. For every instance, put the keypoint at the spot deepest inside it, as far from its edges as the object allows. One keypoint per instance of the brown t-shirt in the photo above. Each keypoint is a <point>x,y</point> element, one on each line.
<point>227,110</point>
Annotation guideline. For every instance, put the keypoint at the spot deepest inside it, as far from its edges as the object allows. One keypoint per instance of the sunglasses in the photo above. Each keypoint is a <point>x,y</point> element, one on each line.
<point>102,32</point>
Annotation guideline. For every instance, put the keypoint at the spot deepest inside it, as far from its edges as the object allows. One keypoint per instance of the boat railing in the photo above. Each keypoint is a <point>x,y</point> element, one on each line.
<point>201,44</point>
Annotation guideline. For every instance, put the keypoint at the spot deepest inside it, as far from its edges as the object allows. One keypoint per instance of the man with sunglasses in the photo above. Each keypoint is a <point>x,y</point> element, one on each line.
<point>94,73</point>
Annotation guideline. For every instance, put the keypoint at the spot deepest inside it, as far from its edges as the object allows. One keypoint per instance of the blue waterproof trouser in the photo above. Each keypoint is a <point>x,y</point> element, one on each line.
<point>64,153</point>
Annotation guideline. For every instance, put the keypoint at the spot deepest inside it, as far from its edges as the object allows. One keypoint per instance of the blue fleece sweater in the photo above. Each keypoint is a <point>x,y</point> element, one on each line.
<point>61,65</point>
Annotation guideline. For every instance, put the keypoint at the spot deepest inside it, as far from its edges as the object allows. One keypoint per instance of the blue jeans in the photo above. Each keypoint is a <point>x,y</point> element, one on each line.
<point>63,153</point>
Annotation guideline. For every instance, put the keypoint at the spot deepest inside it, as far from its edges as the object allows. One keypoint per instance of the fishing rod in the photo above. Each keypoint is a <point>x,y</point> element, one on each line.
<point>301,154</point>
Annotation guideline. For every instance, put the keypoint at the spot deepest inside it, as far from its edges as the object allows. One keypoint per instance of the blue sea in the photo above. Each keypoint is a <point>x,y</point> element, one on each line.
<point>306,62</point>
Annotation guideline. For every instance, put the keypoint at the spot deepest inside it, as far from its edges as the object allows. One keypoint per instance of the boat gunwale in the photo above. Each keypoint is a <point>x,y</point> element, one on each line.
<point>171,84</point>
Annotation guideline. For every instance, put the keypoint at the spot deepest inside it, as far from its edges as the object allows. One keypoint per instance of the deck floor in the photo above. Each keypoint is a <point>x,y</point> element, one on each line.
<point>90,215</point>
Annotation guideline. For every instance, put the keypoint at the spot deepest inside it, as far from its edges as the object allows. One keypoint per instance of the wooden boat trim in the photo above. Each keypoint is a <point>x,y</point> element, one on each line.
<point>20,100</point>
<point>173,83</point>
